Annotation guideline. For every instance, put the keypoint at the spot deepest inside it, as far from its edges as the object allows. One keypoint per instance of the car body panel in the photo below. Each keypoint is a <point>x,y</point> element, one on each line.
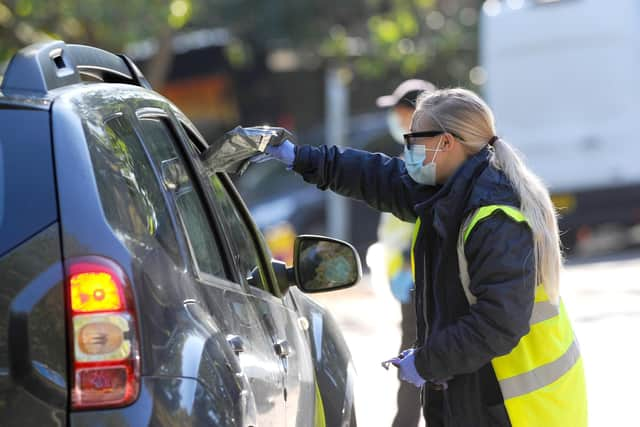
<point>25,137</point>
<point>33,355</point>
<point>334,370</point>
<point>166,401</point>
<point>299,382</point>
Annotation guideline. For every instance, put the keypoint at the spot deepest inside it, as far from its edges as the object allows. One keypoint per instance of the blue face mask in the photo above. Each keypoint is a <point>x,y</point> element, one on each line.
<point>414,159</point>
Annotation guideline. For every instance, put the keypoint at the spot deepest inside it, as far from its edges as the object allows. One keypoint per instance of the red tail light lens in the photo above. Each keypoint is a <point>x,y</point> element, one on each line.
<point>106,363</point>
<point>95,291</point>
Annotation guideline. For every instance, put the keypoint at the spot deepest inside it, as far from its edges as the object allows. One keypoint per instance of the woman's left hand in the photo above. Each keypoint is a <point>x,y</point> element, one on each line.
<point>407,367</point>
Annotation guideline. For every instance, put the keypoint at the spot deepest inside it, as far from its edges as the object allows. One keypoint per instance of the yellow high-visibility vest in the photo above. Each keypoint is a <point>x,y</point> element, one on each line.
<point>542,378</point>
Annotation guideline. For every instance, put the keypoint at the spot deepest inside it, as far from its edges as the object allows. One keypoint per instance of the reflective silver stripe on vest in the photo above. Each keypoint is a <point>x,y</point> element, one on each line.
<point>463,265</point>
<point>543,310</point>
<point>541,376</point>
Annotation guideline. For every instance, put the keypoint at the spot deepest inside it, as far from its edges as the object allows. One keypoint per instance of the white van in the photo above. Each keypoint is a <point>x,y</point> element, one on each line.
<point>563,78</point>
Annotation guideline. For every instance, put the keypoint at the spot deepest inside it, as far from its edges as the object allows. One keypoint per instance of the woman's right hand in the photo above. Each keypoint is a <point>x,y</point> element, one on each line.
<point>281,146</point>
<point>285,152</point>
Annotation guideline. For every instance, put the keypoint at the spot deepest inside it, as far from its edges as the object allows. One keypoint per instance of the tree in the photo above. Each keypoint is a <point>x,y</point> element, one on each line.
<point>95,22</point>
<point>375,37</point>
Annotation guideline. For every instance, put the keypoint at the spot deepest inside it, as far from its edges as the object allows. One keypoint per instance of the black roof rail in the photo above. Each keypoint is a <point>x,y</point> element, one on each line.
<point>45,66</point>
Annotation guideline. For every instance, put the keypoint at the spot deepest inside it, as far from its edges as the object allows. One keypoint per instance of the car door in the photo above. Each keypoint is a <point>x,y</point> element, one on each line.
<point>223,296</point>
<point>279,320</point>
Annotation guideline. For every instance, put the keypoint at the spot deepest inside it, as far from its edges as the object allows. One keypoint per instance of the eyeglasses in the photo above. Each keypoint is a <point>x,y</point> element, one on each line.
<point>409,137</point>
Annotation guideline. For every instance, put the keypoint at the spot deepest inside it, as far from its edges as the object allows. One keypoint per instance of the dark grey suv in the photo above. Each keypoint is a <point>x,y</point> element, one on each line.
<point>135,288</point>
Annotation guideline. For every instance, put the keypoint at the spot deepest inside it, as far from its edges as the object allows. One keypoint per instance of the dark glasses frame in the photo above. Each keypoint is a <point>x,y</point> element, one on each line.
<point>425,134</point>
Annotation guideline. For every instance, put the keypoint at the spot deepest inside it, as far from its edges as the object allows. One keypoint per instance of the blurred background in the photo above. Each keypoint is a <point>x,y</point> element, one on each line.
<point>560,75</point>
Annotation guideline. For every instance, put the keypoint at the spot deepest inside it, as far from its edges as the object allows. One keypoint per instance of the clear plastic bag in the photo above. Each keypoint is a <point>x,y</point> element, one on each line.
<point>232,152</point>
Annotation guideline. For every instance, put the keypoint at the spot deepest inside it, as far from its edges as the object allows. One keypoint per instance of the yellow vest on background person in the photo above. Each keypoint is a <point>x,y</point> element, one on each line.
<point>542,379</point>
<point>395,236</point>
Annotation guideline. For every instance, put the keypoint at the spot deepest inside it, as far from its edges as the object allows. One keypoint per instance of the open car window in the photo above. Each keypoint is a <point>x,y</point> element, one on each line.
<point>246,252</point>
<point>203,245</point>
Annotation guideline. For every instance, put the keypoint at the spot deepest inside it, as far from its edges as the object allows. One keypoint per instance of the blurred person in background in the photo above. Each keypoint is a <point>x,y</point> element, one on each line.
<point>394,235</point>
<point>495,346</point>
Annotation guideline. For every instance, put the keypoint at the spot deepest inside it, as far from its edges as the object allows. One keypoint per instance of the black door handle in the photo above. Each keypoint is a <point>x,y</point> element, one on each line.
<point>236,343</point>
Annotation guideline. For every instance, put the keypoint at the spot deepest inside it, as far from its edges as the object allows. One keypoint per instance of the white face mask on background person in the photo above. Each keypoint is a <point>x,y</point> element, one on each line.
<point>395,127</point>
<point>414,158</point>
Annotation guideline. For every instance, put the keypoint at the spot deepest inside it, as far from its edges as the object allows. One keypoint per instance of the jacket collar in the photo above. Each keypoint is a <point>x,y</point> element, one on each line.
<point>475,183</point>
<point>447,195</point>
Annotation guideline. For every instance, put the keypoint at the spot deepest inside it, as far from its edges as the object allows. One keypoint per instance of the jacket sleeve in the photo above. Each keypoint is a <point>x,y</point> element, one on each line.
<point>380,181</point>
<point>499,251</point>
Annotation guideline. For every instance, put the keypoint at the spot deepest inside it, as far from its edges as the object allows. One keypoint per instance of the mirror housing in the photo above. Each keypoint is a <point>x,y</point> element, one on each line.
<point>284,275</point>
<point>324,264</point>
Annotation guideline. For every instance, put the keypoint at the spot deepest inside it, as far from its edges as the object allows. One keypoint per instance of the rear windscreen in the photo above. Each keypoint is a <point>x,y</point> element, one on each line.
<point>27,191</point>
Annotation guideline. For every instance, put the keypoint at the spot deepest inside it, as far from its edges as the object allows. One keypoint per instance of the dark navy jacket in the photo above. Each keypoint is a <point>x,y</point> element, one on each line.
<point>455,341</point>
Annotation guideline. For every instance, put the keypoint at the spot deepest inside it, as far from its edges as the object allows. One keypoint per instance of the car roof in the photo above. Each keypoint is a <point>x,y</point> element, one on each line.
<point>40,73</point>
<point>35,73</point>
<point>28,103</point>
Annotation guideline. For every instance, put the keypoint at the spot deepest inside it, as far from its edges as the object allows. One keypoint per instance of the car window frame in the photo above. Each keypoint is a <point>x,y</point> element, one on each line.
<point>131,121</point>
<point>240,251</point>
<point>230,270</point>
<point>270,277</point>
<point>255,233</point>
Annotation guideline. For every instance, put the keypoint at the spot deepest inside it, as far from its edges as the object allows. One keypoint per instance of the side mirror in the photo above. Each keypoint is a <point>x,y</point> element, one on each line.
<point>324,264</point>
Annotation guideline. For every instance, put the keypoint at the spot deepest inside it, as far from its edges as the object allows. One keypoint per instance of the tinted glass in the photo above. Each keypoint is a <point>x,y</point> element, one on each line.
<point>27,193</point>
<point>246,253</point>
<point>129,190</point>
<point>203,245</point>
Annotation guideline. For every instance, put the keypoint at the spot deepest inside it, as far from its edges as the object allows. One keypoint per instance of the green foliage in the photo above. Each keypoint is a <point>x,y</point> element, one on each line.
<point>377,37</point>
<point>110,25</point>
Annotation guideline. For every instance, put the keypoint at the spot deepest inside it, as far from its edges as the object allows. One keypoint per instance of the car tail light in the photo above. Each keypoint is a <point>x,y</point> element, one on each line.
<point>105,344</point>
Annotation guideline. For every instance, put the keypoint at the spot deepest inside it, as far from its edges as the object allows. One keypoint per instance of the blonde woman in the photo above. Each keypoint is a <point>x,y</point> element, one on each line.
<point>495,346</point>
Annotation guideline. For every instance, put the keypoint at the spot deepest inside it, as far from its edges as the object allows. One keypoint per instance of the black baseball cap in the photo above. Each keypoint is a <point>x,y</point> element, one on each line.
<point>406,93</point>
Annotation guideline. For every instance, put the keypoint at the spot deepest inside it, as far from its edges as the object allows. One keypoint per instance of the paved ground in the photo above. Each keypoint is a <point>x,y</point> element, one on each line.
<point>602,296</point>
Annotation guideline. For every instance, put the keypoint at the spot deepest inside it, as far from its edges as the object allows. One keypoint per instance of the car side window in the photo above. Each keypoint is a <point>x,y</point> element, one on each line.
<point>246,252</point>
<point>131,196</point>
<point>203,245</point>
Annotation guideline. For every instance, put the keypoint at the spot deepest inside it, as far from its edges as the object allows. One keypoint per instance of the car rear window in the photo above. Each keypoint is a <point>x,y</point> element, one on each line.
<point>131,196</point>
<point>27,191</point>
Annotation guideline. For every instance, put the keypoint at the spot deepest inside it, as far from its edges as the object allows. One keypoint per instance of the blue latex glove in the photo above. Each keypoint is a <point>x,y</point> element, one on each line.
<point>404,353</point>
<point>386,363</point>
<point>285,152</point>
<point>401,286</point>
<point>406,363</point>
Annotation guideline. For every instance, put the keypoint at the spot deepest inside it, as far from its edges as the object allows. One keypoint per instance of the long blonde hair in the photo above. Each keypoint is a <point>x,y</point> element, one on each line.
<point>465,114</point>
